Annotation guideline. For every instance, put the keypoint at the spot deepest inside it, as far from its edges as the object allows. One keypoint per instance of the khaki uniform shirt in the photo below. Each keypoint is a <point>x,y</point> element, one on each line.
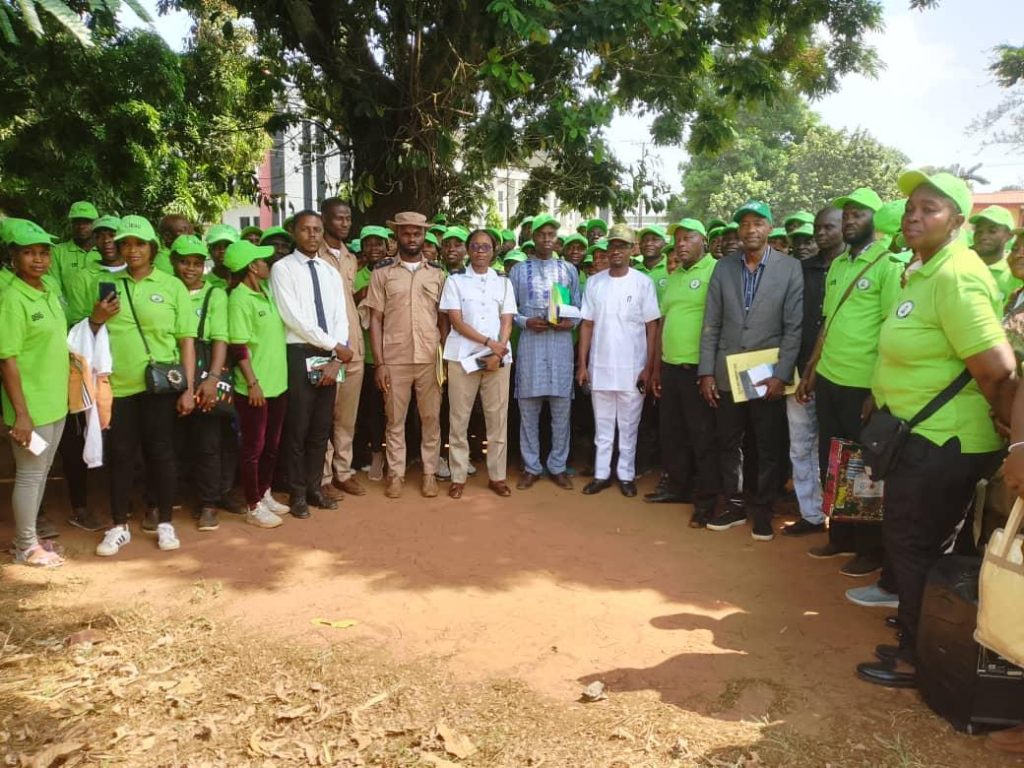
<point>408,301</point>
<point>347,266</point>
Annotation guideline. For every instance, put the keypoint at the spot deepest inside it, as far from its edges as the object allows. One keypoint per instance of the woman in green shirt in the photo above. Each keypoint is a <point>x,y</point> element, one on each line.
<point>153,310</point>
<point>34,366</point>
<point>946,319</point>
<point>261,377</point>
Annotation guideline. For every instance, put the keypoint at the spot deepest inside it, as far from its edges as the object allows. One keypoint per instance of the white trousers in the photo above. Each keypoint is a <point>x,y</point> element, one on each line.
<point>616,409</point>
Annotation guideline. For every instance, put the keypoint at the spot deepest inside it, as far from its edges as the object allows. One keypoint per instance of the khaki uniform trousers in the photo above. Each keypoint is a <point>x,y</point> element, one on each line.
<point>338,461</point>
<point>462,391</point>
<point>422,376</point>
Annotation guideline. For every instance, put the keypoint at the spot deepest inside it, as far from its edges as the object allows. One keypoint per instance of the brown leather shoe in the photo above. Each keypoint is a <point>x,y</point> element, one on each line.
<point>562,481</point>
<point>394,489</point>
<point>526,481</point>
<point>329,492</point>
<point>455,490</point>
<point>429,488</point>
<point>500,487</point>
<point>350,486</point>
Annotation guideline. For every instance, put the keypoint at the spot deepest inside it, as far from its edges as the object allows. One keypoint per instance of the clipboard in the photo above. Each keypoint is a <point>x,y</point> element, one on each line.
<point>736,365</point>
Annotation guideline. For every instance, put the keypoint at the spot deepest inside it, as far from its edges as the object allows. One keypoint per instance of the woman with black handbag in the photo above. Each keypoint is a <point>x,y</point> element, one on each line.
<point>943,365</point>
<point>151,343</point>
<point>207,445</point>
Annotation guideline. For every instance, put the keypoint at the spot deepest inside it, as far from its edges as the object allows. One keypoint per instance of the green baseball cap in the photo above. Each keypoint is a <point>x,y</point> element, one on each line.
<point>889,218</point>
<point>508,236</point>
<point>575,237</point>
<point>600,245</point>
<point>514,255</point>
<point>372,230</point>
<point>106,222</point>
<point>221,233</point>
<point>528,244</point>
<point>756,207</point>
<point>690,225</point>
<point>652,229</point>
<point>7,225</point>
<point>996,214</point>
<point>83,209</point>
<point>731,227</point>
<point>136,226</point>
<point>241,253</point>
<point>544,220</point>
<point>252,229</point>
<point>270,232</point>
<point>948,184</point>
<point>714,224</point>
<point>430,237</point>
<point>715,232</point>
<point>667,248</point>
<point>24,233</point>
<point>777,232</point>
<point>804,217</point>
<point>597,224</point>
<point>189,245</point>
<point>864,197</point>
<point>804,230</point>
<point>440,218</point>
<point>356,246</point>
<point>621,232</point>
<point>458,233</point>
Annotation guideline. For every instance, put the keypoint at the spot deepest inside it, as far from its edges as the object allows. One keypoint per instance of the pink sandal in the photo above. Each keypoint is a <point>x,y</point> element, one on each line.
<point>38,556</point>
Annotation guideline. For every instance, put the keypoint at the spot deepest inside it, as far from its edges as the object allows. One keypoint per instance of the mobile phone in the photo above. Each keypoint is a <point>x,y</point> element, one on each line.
<point>641,388</point>
<point>106,290</point>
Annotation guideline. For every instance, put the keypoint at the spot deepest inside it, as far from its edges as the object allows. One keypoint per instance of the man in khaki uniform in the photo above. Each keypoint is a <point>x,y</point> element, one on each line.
<point>338,471</point>
<point>405,331</point>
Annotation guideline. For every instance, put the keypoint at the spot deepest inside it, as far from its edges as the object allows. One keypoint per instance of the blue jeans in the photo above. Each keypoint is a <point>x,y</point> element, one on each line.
<point>529,433</point>
<point>803,453</point>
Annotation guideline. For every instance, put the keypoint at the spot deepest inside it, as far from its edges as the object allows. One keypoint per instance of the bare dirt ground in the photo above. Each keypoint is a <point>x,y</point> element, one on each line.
<point>466,633</point>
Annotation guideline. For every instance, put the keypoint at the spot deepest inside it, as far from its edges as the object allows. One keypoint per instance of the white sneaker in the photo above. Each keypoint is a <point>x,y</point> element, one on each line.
<point>113,540</point>
<point>262,517</point>
<point>444,472</point>
<point>166,538</point>
<point>274,505</point>
<point>470,469</point>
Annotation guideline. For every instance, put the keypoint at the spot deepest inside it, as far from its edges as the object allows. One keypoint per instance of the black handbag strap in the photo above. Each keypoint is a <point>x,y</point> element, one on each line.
<point>135,317</point>
<point>951,391</point>
<point>202,319</point>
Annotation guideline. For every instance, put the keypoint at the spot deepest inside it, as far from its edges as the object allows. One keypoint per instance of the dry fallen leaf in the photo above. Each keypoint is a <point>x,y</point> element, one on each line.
<point>52,754</point>
<point>455,743</point>
<point>293,713</point>
<point>87,636</point>
<point>438,762</point>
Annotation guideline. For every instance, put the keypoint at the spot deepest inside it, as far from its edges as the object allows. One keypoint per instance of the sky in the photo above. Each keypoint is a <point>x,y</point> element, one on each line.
<point>936,81</point>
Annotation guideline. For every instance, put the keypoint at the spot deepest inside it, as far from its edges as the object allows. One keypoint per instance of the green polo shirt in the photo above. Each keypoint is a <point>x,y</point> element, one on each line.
<point>851,346</point>
<point>69,258</point>
<point>948,311</point>
<point>362,279</point>
<point>6,278</point>
<point>35,332</point>
<point>682,304</point>
<point>1005,281</point>
<point>255,322</point>
<point>216,326</point>
<point>162,261</point>
<point>82,289</point>
<point>210,278</point>
<point>658,273</point>
<point>165,313</point>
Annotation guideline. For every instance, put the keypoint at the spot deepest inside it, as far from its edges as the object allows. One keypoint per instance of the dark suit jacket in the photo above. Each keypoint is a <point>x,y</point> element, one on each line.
<point>774,320</point>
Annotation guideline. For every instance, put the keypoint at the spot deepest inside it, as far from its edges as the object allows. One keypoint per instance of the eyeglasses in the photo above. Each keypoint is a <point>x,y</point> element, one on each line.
<point>481,247</point>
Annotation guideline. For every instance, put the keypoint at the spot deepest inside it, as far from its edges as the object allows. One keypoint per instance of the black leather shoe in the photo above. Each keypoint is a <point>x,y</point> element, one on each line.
<point>298,508</point>
<point>887,653</point>
<point>665,497</point>
<point>596,486</point>
<point>884,673</point>
<point>892,622</point>
<point>628,488</point>
<point>321,501</point>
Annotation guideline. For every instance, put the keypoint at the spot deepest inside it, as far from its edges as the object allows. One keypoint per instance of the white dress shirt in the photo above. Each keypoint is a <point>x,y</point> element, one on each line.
<point>482,300</point>
<point>292,284</point>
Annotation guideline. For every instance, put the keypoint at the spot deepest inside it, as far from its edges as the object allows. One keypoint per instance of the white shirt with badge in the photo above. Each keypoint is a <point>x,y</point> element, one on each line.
<point>482,299</point>
<point>620,307</point>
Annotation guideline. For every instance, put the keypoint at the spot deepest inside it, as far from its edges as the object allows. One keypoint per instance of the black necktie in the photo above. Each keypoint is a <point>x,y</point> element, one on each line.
<point>318,299</point>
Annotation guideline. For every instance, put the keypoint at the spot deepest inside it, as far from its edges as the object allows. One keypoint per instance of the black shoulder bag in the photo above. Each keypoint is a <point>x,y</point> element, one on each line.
<point>224,403</point>
<point>883,437</point>
<point>161,378</point>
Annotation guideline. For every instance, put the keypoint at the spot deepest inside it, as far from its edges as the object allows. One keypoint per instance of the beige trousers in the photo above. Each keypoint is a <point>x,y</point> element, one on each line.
<point>338,461</point>
<point>462,390</point>
<point>396,405</point>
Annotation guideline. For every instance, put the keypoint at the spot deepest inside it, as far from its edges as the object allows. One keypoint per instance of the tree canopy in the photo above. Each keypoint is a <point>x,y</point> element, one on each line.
<point>430,97</point>
<point>129,124</point>
<point>1005,124</point>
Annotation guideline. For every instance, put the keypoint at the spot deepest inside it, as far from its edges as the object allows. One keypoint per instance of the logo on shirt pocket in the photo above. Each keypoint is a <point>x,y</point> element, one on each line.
<point>37,317</point>
<point>156,298</point>
<point>695,283</point>
<point>904,309</point>
<point>863,284</point>
<point>262,313</point>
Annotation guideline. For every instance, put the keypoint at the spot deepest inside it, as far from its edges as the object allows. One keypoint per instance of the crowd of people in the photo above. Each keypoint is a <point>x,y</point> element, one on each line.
<point>598,351</point>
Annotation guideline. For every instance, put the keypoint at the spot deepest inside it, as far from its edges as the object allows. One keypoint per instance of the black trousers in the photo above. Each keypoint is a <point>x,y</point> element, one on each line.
<point>689,451</point>
<point>307,425</point>
<point>72,443</point>
<point>926,498</point>
<point>142,424</point>
<point>839,409</point>
<point>370,421</point>
<point>208,455</point>
<point>767,420</point>
<point>648,439</point>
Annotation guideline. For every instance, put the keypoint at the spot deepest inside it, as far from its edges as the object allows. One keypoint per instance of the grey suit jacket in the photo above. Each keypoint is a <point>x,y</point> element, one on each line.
<point>774,320</point>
